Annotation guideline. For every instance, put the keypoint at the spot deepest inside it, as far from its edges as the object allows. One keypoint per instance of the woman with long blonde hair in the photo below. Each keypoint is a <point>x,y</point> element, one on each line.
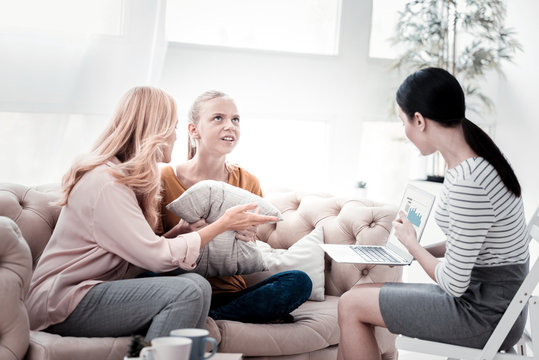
<point>85,282</point>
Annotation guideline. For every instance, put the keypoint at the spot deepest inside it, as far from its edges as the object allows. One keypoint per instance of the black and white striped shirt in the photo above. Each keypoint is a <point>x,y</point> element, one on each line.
<point>483,221</point>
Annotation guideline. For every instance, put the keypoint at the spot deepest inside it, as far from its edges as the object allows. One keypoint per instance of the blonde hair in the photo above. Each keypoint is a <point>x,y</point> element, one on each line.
<point>137,135</point>
<point>194,116</point>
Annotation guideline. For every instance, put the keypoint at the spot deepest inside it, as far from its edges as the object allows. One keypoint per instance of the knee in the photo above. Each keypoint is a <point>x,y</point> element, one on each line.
<point>296,283</point>
<point>200,285</point>
<point>205,288</point>
<point>302,283</point>
<point>348,305</point>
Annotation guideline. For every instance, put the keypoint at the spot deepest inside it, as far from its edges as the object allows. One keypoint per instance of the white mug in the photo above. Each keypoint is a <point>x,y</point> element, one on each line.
<point>167,348</point>
<point>199,337</point>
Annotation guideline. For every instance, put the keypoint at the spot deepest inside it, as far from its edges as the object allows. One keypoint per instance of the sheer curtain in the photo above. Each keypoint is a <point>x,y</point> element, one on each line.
<point>59,88</point>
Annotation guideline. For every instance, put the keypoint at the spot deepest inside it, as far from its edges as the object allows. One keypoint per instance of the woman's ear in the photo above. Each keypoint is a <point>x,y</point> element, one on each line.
<point>419,121</point>
<point>193,131</point>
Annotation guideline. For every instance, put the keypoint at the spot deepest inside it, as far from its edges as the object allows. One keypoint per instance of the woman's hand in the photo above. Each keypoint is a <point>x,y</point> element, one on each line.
<point>237,218</point>
<point>183,227</point>
<point>404,230</point>
<point>248,234</point>
<point>242,217</point>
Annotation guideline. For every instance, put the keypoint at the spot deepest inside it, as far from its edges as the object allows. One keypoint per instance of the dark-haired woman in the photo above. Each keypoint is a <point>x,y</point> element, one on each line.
<point>485,253</point>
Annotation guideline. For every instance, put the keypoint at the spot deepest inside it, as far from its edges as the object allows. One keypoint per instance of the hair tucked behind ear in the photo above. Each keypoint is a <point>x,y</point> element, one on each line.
<point>437,95</point>
<point>137,136</point>
<point>194,116</point>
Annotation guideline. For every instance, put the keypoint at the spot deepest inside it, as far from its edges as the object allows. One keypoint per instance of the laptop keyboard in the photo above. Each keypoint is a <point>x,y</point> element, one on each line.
<point>374,253</point>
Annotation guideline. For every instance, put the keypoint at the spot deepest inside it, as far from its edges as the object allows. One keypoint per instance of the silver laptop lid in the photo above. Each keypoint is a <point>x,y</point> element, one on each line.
<point>417,205</point>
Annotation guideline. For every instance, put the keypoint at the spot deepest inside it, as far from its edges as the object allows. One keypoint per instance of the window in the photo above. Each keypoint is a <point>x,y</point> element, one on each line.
<point>385,15</point>
<point>69,16</point>
<point>284,154</point>
<point>387,160</point>
<point>38,148</point>
<point>301,26</point>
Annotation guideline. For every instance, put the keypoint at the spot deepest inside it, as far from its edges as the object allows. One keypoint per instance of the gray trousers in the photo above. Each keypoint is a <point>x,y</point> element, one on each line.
<point>152,306</point>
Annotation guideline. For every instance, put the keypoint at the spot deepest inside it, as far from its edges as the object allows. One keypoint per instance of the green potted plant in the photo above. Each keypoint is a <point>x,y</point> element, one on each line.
<point>468,38</point>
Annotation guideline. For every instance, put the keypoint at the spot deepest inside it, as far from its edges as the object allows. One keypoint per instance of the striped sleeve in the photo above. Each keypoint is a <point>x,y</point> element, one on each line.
<point>470,216</point>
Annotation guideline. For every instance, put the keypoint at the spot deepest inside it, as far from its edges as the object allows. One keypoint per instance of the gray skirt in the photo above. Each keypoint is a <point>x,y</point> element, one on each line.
<point>427,312</point>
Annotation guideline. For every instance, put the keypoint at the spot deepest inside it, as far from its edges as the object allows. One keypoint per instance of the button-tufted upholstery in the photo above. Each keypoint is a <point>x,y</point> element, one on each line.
<point>313,335</point>
<point>33,211</point>
<point>315,332</point>
<point>15,275</point>
<point>345,221</point>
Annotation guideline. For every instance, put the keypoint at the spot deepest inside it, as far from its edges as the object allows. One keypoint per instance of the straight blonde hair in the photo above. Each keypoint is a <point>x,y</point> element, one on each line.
<point>194,116</point>
<point>137,136</point>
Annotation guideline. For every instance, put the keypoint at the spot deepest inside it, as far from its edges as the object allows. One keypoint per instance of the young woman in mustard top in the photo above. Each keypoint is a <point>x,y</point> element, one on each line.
<point>214,131</point>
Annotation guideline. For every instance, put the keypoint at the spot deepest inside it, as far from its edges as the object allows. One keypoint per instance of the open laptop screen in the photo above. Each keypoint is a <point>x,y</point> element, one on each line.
<point>416,204</point>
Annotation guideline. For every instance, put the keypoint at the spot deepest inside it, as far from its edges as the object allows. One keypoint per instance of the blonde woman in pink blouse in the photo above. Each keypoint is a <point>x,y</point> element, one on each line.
<point>85,282</point>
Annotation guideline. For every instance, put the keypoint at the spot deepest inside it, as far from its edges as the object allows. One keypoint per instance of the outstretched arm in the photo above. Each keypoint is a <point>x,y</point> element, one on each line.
<point>236,218</point>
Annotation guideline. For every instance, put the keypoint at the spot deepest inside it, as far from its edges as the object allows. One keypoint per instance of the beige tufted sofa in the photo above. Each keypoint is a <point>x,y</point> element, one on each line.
<point>314,335</point>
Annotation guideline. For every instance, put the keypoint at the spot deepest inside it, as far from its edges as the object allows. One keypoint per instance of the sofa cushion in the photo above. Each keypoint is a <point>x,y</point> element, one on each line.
<point>322,354</point>
<point>45,346</point>
<point>315,327</point>
<point>224,255</point>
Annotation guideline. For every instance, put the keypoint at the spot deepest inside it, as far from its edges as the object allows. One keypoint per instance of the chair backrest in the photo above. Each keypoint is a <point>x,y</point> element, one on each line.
<point>533,226</point>
<point>519,301</point>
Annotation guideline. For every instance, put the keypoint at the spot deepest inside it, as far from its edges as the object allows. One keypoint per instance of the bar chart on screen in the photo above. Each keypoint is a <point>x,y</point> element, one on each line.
<point>415,217</point>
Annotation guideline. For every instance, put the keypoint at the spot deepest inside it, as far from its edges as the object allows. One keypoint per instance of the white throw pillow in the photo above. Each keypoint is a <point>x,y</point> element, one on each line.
<point>305,255</point>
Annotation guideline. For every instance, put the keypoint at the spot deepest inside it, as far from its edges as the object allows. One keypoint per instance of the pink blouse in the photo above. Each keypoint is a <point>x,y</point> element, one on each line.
<point>99,233</point>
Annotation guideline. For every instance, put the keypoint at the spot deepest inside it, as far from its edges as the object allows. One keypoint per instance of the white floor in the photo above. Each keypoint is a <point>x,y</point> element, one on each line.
<point>406,355</point>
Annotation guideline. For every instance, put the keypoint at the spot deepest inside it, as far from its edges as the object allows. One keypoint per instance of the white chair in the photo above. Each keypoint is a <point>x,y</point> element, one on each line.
<point>529,341</point>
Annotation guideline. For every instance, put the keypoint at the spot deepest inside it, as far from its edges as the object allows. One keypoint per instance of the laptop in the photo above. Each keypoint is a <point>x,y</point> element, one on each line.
<point>417,205</point>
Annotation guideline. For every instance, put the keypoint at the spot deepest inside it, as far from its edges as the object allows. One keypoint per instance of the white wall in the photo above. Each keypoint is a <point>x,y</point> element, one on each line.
<point>58,90</point>
<point>517,131</point>
<point>350,88</point>
<point>342,90</point>
<point>52,72</point>
<point>43,76</point>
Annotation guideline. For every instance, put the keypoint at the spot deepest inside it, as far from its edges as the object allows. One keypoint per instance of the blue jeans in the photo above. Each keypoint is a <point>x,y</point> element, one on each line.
<point>270,300</point>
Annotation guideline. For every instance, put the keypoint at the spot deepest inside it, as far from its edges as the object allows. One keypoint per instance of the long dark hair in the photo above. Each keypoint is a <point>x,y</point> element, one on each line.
<point>437,95</point>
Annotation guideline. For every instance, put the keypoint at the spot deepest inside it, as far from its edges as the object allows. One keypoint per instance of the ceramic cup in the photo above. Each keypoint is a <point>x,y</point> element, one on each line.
<point>167,348</point>
<point>200,338</point>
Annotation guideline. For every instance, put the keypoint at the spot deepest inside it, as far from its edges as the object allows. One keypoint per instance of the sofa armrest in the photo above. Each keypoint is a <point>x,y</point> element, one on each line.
<point>15,276</point>
<point>33,209</point>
